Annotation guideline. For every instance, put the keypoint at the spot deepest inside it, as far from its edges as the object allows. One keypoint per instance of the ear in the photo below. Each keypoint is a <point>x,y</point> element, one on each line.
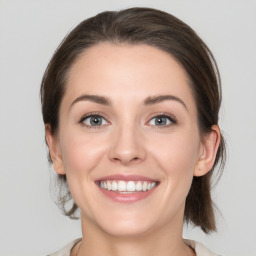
<point>208,151</point>
<point>54,149</point>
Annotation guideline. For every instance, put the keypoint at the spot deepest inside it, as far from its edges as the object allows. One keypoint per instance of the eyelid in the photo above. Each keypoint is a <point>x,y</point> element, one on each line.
<point>99,114</point>
<point>163,114</point>
<point>150,117</point>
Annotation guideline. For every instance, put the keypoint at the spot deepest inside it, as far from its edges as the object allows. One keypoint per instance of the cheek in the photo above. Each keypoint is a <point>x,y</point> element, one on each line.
<point>81,153</point>
<point>178,153</point>
<point>177,160</point>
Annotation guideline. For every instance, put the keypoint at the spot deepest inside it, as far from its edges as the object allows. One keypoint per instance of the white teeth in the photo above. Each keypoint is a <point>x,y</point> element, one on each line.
<point>109,186</point>
<point>127,186</point>
<point>114,186</point>
<point>144,186</point>
<point>139,186</point>
<point>121,186</point>
<point>130,186</point>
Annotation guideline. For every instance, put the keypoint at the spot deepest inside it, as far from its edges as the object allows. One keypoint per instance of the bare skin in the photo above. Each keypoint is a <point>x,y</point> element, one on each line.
<point>123,131</point>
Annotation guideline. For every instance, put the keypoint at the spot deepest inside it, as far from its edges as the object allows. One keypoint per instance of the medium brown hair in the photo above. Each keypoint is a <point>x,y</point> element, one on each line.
<point>161,30</point>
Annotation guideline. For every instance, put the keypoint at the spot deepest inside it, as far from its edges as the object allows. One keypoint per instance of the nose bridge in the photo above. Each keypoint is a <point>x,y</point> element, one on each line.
<point>127,146</point>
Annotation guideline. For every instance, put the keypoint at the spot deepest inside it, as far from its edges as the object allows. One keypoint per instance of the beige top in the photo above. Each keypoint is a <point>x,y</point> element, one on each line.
<point>200,249</point>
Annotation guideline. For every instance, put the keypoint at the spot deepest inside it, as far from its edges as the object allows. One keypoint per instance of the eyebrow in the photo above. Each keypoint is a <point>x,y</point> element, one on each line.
<point>161,98</point>
<point>148,101</point>
<point>93,98</point>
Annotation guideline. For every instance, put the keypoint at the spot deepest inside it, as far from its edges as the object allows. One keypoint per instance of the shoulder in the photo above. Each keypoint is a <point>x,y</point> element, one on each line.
<point>67,249</point>
<point>199,248</point>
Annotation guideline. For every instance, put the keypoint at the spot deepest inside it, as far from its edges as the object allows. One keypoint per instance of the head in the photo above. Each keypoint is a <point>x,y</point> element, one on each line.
<point>134,32</point>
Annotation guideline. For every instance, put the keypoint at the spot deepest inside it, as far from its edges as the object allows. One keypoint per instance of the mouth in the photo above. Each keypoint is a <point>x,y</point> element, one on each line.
<point>127,188</point>
<point>122,186</point>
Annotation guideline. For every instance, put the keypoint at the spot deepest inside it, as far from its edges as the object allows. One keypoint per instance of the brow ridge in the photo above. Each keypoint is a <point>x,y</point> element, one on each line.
<point>160,98</point>
<point>148,101</point>
<point>93,98</point>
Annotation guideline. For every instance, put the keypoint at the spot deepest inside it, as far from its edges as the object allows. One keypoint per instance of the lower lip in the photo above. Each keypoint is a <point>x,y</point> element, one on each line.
<point>127,198</point>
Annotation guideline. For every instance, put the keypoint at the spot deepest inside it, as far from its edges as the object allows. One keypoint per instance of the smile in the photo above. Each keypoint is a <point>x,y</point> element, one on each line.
<point>127,186</point>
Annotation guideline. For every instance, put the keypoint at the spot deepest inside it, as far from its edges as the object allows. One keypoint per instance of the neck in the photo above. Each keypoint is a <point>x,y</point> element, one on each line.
<point>165,242</point>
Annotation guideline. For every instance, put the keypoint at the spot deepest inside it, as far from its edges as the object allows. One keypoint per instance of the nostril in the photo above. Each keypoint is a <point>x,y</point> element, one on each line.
<point>126,160</point>
<point>126,152</point>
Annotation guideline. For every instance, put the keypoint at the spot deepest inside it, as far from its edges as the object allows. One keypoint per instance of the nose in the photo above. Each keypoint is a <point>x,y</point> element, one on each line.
<point>127,146</point>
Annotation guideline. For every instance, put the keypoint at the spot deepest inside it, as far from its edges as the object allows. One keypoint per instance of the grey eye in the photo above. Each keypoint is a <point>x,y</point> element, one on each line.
<point>94,120</point>
<point>160,120</point>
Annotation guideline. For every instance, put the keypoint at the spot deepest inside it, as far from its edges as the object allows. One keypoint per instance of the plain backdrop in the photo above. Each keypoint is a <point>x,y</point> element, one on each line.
<point>30,31</point>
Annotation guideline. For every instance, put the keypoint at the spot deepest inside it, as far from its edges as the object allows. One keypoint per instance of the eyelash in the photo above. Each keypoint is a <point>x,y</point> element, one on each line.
<point>171,119</point>
<point>90,115</point>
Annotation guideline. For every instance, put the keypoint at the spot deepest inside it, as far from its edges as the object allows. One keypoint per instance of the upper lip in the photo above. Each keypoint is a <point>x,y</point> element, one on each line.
<point>126,178</point>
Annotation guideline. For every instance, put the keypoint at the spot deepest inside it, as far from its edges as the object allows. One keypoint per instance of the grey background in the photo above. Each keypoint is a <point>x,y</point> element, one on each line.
<point>30,223</point>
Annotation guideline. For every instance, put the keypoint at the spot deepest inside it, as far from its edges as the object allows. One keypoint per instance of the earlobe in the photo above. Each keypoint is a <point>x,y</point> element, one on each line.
<point>210,146</point>
<point>54,150</point>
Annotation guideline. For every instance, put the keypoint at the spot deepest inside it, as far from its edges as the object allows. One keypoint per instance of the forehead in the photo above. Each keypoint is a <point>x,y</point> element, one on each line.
<point>123,71</point>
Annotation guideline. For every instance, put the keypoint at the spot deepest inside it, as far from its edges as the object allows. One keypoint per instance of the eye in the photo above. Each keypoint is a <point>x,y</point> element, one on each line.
<point>162,120</point>
<point>93,120</point>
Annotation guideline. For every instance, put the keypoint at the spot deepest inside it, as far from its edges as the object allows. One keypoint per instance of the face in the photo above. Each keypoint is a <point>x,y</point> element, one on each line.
<point>128,138</point>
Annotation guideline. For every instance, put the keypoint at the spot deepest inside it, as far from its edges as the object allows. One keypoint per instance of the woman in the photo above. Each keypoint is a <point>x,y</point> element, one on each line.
<point>130,102</point>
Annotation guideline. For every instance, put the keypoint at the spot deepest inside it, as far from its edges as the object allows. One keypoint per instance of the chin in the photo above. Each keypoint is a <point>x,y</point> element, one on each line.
<point>123,224</point>
<point>126,229</point>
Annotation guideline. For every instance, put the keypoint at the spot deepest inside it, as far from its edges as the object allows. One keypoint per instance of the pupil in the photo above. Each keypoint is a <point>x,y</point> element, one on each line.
<point>161,120</point>
<point>95,120</point>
